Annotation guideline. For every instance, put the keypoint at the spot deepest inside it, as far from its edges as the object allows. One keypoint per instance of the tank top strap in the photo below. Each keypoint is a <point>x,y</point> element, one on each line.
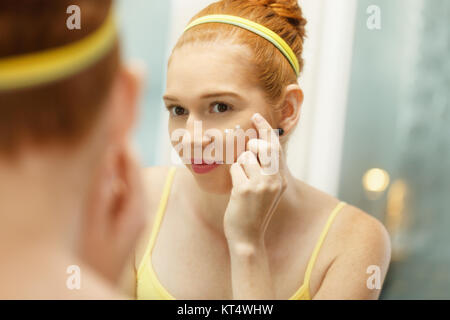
<point>158,218</point>
<point>319,243</point>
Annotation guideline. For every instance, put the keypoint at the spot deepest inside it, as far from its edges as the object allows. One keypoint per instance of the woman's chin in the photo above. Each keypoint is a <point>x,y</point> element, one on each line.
<point>217,181</point>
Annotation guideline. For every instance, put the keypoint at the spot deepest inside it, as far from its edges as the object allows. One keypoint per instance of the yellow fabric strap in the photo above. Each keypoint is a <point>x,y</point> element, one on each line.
<point>158,219</point>
<point>54,64</point>
<point>256,28</point>
<point>324,233</point>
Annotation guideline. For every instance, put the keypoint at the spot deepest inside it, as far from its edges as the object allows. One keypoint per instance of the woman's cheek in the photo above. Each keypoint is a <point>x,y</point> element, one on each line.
<point>177,135</point>
<point>236,142</point>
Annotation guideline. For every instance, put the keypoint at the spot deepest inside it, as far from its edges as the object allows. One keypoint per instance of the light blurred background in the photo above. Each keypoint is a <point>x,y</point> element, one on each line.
<point>375,126</point>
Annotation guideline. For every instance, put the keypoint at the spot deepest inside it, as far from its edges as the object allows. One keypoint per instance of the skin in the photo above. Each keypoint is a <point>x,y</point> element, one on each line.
<point>234,233</point>
<point>58,208</point>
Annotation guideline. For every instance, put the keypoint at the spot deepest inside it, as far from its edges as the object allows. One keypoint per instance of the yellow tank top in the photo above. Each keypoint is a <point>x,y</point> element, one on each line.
<point>148,286</point>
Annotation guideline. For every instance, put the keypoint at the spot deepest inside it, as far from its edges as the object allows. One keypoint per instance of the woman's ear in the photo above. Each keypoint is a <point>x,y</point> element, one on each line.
<point>291,110</point>
<point>124,100</point>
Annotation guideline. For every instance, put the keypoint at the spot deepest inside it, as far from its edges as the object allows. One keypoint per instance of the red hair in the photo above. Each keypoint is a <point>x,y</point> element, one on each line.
<point>62,112</point>
<point>284,17</point>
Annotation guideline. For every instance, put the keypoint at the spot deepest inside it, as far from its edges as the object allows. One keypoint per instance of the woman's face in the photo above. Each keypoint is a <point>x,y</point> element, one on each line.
<point>209,86</point>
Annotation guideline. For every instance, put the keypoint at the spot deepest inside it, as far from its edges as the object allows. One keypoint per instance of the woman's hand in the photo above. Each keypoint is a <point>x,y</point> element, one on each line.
<point>258,183</point>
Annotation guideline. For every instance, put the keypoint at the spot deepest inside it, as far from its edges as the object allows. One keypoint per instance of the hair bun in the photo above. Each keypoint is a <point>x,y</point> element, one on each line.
<point>288,9</point>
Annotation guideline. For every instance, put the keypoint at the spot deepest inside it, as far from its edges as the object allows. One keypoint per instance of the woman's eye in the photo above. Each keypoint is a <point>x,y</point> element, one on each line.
<point>178,111</point>
<point>220,108</point>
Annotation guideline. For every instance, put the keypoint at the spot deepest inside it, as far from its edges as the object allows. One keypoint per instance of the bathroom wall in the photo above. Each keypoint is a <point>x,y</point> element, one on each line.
<point>398,120</point>
<point>145,26</point>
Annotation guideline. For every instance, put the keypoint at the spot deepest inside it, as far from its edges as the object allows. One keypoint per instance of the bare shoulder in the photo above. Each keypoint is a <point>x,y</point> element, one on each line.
<point>362,252</point>
<point>353,230</point>
<point>352,227</point>
<point>364,232</point>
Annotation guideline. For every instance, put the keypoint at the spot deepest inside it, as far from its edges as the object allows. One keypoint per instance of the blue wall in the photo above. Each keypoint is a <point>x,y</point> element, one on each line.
<point>398,119</point>
<point>145,28</point>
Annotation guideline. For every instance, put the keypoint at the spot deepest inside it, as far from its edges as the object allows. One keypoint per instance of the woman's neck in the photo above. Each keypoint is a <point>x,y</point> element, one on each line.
<point>40,200</point>
<point>41,203</point>
<point>209,208</point>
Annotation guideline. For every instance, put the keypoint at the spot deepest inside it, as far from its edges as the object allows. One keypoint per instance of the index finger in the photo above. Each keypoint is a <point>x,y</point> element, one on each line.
<point>263,127</point>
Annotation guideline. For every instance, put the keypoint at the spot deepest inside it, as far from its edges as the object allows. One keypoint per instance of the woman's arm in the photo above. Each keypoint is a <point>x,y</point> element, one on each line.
<point>359,271</point>
<point>251,278</point>
<point>256,192</point>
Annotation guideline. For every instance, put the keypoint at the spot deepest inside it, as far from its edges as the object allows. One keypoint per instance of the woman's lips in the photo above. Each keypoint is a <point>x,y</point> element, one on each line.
<point>203,167</point>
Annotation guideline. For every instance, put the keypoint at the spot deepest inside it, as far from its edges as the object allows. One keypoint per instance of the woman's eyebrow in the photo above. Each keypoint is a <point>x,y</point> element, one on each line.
<point>167,97</point>
<point>220,94</point>
<point>207,96</point>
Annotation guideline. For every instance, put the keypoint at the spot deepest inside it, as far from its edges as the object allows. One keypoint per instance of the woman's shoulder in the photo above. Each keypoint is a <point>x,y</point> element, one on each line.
<point>355,228</point>
<point>362,241</point>
<point>356,241</point>
<point>359,230</point>
<point>363,252</point>
<point>351,221</point>
<point>364,232</point>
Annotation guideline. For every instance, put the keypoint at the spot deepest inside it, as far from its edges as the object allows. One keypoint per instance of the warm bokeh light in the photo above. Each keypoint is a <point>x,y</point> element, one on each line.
<point>376,180</point>
<point>396,219</point>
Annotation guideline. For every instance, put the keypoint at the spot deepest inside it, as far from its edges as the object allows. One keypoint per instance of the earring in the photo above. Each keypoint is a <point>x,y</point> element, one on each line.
<point>281,131</point>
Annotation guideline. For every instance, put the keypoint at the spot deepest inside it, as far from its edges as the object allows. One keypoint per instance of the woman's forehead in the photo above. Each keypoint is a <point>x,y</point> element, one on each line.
<point>210,64</point>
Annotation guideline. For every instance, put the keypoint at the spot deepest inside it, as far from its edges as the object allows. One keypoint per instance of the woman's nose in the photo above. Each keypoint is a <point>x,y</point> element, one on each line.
<point>196,134</point>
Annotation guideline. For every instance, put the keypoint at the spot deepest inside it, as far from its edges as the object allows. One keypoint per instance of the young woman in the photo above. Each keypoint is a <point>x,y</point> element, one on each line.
<point>70,191</point>
<point>230,231</point>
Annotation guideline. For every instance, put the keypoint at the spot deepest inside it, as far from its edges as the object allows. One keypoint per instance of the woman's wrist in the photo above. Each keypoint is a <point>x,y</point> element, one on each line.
<point>251,278</point>
<point>247,247</point>
<point>237,235</point>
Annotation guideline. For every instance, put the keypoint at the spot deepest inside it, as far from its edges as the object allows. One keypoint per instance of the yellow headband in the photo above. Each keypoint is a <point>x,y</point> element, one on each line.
<point>254,27</point>
<point>54,64</point>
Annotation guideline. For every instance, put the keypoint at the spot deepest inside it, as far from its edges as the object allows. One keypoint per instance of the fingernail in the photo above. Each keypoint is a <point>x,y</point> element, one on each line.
<point>257,117</point>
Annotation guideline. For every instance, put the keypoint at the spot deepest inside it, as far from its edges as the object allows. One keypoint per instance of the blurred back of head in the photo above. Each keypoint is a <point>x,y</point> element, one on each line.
<point>62,112</point>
